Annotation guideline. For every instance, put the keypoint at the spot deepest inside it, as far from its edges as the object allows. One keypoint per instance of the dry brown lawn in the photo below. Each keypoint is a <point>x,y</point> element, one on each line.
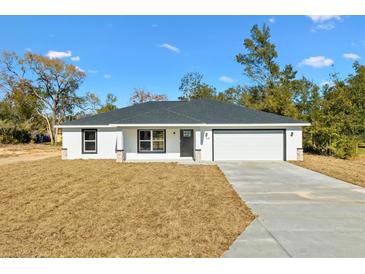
<point>26,152</point>
<point>23,149</point>
<point>352,171</point>
<point>100,208</point>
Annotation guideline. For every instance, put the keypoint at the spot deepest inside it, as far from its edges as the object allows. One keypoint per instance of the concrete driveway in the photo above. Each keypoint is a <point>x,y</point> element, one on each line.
<point>301,213</point>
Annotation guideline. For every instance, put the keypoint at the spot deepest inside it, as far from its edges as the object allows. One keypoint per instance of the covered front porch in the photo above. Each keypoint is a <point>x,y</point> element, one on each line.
<point>158,144</point>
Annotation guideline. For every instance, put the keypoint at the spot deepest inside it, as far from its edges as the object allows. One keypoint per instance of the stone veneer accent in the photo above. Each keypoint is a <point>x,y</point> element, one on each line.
<point>198,155</point>
<point>120,156</point>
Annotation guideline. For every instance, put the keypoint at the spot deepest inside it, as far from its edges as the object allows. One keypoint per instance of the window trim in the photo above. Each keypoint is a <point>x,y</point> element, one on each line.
<point>151,140</point>
<point>83,151</point>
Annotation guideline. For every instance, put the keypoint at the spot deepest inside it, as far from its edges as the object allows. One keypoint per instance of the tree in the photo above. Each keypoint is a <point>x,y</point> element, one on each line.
<point>192,87</point>
<point>356,86</point>
<point>231,95</point>
<point>273,89</point>
<point>203,91</point>
<point>189,84</point>
<point>259,61</point>
<point>343,114</point>
<point>109,104</point>
<point>308,103</point>
<point>51,81</point>
<point>142,96</point>
<point>336,114</point>
<point>18,119</point>
<point>91,103</point>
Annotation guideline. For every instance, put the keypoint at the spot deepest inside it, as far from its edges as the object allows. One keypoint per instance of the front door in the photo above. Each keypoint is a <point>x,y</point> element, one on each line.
<point>186,143</point>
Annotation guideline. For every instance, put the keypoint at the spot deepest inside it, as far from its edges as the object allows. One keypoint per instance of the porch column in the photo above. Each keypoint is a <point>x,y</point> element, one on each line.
<point>120,146</point>
<point>198,145</point>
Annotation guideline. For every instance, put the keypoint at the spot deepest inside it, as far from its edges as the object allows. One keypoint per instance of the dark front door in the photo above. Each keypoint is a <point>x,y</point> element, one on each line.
<point>186,143</point>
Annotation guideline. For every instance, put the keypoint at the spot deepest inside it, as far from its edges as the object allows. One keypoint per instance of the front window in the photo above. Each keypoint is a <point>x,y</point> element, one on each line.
<point>89,141</point>
<point>151,140</point>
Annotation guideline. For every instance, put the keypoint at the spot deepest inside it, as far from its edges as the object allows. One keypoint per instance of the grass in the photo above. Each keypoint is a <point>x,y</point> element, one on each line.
<point>351,171</point>
<point>361,151</point>
<point>86,208</point>
<point>11,150</point>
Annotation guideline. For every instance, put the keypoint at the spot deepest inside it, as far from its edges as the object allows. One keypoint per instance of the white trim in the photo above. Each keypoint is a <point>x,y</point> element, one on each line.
<point>151,141</point>
<point>81,126</point>
<point>186,125</point>
<point>89,141</point>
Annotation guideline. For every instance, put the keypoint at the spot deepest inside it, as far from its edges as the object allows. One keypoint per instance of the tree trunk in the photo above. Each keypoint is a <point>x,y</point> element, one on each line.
<point>50,132</point>
<point>54,132</point>
<point>53,123</point>
<point>49,127</point>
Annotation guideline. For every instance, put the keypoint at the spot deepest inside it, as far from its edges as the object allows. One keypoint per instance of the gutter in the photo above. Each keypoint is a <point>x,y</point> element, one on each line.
<point>187,125</point>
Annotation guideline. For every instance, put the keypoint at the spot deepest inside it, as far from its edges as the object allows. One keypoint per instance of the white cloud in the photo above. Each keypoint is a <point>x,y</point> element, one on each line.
<point>325,26</point>
<point>170,47</point>
<point>92,71</point>
<point>317,62</point>
<point>79,69</point>
<point>107,76</point>
<point>226,79</point>
<point>324,22</point>
<point>323,18</point>
<point>75,58</point>
<point>28,49</point>
<point>351,56</point>
<point>272,20</point>
<point>58,54</point>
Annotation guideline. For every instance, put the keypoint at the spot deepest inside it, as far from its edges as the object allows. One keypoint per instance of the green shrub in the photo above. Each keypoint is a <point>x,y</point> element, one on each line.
<point>11,133</point>
<point>343,147</point>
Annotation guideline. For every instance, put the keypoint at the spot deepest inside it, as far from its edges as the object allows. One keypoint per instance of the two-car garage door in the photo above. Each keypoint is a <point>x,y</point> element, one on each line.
<point>250,145</point>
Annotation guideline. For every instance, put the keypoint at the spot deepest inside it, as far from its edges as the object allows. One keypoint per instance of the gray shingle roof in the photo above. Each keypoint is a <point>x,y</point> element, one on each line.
<point>184,112</point>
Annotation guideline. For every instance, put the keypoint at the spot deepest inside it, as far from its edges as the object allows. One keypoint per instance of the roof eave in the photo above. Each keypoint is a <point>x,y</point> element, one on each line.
<point>185,125</point>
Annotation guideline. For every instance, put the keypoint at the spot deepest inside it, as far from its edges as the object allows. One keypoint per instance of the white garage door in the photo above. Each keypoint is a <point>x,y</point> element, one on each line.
<point>248,145</point>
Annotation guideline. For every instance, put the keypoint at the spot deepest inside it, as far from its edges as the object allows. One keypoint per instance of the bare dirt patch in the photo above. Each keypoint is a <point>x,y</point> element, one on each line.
<point>100,208</point>
<point>352,171</point>
<point>26,152</point>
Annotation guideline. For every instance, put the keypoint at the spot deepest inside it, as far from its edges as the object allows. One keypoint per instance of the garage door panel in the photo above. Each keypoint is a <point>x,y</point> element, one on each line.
<point>248,145</point>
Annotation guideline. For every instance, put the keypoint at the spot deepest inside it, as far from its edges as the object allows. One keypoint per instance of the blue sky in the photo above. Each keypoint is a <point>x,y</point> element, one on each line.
<point>120,53</point>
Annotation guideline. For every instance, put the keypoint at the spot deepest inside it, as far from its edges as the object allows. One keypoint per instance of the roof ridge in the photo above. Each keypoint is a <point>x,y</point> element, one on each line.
<point>181,114</point>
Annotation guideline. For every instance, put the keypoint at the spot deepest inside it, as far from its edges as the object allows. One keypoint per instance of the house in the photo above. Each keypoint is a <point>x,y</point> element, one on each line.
<point>202,130</point>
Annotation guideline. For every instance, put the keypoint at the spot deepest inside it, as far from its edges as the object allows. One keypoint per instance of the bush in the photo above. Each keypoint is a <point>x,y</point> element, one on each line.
<point>344,147</point>
<point>324,143</point>
<point>11,133</point>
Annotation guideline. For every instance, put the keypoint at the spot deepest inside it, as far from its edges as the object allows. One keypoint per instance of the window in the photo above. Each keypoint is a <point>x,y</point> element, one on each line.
<point>151,140</point>
<point>186,133</point>
<point>89,141</point>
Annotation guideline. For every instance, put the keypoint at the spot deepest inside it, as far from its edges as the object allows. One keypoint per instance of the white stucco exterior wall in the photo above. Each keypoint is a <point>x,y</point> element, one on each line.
<point>206,146</point>
<point>294,140</point>
<point>106,143</point>
<point>110,139</point>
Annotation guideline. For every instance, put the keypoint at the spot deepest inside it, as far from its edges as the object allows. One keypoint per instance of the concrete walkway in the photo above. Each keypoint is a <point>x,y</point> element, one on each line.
<point>301,213</point>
